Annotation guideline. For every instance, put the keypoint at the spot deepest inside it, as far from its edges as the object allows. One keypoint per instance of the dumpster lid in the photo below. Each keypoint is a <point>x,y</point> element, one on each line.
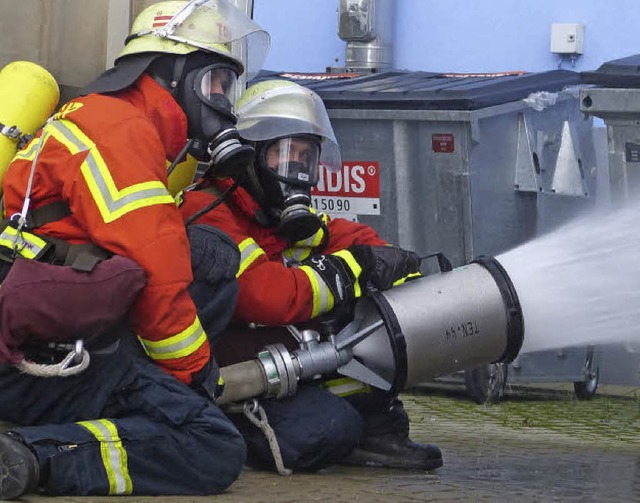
<point>623,72</point>
<point>403,90</point>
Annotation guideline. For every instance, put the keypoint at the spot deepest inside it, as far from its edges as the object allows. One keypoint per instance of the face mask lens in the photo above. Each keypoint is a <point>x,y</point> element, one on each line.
<point>295,159</point>
<point>215,81</point>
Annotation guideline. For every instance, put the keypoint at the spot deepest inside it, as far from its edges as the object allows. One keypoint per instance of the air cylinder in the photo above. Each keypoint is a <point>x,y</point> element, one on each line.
<point>28,96</point>
<point>455,320</point>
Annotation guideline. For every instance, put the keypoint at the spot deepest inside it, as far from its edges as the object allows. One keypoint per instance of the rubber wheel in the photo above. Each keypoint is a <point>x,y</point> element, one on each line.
<point>585,390</point>
<point>486,384</point>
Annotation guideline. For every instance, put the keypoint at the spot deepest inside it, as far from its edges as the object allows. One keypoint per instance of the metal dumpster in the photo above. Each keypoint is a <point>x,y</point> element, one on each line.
<point>614,96</point>
<point>616,99</point>
<point>461,164</point>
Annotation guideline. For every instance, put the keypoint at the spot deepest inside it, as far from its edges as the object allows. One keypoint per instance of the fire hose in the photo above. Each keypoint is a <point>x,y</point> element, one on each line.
<point>458,319</point>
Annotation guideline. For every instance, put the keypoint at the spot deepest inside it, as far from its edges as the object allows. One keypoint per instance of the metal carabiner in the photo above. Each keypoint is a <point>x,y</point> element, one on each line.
<point>78,352</point>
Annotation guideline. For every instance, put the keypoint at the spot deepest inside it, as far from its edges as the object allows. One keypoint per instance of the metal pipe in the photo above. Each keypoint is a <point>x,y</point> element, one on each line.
<point>368,28</point>
<point>243,380</point>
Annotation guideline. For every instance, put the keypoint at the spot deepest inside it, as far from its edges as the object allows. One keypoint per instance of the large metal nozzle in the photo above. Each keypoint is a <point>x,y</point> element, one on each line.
<point>459,319</point>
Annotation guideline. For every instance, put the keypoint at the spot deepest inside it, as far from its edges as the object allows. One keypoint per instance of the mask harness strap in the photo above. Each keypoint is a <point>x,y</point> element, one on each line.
<point>178,70</point>
<point>219,200</point>
<point>179,157</point>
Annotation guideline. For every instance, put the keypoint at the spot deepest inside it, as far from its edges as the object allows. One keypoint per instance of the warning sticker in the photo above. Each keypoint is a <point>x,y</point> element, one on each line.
<point>354,190</point>
<point>443,143</point>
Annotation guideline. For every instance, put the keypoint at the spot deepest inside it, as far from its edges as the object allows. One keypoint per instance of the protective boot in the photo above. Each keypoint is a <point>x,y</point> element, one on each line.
<point>19,469</point>
<point>395,451</point>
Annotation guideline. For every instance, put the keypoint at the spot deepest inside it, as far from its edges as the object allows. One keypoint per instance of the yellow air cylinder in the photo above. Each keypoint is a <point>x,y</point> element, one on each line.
<point>183,174</point>
<point>28,96</point>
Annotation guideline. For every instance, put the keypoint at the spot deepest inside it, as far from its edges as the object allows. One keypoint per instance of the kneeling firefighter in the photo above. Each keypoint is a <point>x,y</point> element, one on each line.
<point>91,185</point>
<point>300,266</point>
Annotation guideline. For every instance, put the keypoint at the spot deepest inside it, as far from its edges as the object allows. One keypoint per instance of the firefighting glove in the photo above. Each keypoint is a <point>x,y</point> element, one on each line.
<point>207,381</point>
<point>385,266</point>
<point>334,280</point>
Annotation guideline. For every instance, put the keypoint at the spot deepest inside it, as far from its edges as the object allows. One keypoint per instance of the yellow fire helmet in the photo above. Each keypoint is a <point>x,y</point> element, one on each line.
<point>280,108</point>
<point>213,26</point>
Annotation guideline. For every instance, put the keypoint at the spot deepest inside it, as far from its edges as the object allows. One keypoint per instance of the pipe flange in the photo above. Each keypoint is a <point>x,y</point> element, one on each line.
<point>287,378</point>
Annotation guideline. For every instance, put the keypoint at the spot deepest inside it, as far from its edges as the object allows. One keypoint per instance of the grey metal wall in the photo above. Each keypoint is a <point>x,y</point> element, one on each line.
<point>505,181</point>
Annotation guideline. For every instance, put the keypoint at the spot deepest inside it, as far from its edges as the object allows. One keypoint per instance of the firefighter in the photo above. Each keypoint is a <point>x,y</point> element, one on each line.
<point>141,419</point>
<point>296,266</point>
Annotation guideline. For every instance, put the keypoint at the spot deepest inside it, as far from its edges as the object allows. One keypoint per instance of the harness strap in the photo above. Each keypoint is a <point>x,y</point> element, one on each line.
<point>47,213</point>
<point>82,257</point>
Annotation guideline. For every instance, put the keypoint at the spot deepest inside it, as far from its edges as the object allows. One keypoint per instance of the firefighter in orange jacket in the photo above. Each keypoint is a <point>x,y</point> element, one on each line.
<point>297,266</point>
<point>97,173</point>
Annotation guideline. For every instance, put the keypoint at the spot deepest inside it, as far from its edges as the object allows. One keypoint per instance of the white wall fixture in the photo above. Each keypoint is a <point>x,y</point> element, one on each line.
<point>567,38</point>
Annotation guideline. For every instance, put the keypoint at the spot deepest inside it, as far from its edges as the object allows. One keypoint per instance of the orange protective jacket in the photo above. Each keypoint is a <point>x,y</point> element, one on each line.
<point>105,156</point>
<point>271,293</point>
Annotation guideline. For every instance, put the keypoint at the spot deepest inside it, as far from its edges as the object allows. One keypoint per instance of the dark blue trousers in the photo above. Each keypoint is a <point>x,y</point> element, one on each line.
<point>124,426</point>
<point>314,428</point>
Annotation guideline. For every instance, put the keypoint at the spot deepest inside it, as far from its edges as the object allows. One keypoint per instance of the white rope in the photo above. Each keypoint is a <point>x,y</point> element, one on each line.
<point>65,368</point>
<point>252,409</point>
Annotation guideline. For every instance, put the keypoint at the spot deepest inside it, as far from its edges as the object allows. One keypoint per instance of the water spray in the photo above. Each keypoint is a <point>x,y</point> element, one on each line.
<point>457,319</point>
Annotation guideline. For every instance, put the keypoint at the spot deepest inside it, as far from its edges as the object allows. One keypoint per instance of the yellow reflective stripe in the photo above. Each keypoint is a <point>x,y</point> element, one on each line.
<point>114,456</point>
<point>29,152</point>
<point>249,252</point>
<point>402,280</point>
<point>178,346</point>
<point>345,386</point>
<point>179,198</point>
<point>347,256</point>
<point>112,203</point>
<point>27,245</point>
<point>322,296</point>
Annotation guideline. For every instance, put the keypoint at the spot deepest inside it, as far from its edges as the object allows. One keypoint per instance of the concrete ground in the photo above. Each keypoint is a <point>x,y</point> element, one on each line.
<point>537,445</point>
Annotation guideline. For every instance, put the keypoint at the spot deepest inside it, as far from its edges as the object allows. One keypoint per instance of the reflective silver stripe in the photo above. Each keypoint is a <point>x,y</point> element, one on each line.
<point>322,296</point>
<point>302,249</point>
<point>111,202</point>
<point>29,152</point>
<point>249,252</point>
<point>25,244</point>
<point>114,456</point>
<point>178,346</point>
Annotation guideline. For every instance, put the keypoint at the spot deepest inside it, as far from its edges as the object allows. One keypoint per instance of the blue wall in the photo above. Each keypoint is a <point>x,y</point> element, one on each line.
<point>456,35</point>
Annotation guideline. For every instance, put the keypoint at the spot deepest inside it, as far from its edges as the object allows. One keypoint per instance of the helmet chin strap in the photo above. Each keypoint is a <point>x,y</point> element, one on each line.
<point>160,73</point>
<point>178,70</point>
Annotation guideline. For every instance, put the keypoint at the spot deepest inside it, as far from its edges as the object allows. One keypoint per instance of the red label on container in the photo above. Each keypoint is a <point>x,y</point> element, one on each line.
<point>443,142</point>
<point>355,179</point>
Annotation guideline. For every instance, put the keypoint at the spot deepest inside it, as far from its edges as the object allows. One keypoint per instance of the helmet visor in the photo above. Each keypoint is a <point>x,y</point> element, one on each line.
<point>289,111</point>
<point>217,25</point>
<point>294,160</point>
<point>214,80</point>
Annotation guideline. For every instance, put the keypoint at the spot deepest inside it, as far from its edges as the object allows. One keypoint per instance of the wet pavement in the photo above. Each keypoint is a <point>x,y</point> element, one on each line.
<point>534,446</point>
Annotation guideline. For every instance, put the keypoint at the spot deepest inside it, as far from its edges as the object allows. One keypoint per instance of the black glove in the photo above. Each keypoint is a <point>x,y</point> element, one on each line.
<point>382,266</point>
<point>207,381</point>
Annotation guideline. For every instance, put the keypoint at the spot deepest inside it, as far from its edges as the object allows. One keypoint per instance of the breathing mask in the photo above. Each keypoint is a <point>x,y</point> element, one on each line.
<point>205,97</point>
<point>286,169</point>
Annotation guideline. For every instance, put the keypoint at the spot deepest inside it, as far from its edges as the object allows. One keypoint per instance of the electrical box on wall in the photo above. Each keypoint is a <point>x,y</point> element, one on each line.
<point>567,38</point>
